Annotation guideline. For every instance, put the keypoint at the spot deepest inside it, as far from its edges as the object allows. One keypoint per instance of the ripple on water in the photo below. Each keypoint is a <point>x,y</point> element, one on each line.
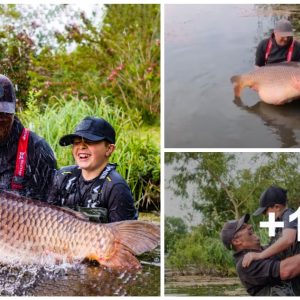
<point>77,280</point>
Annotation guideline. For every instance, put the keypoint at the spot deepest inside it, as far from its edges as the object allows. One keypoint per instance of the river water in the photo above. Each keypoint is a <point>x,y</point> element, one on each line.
<point>80,280</point>
<point>205,45</point>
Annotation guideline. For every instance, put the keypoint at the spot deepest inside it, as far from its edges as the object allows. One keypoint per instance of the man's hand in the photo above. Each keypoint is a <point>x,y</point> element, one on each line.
<point>249,257</point>
<point>295,82</point>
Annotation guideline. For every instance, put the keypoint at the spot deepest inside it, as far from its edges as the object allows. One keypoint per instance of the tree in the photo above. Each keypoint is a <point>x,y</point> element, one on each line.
<point>229,184</point>
<point>175,228</point>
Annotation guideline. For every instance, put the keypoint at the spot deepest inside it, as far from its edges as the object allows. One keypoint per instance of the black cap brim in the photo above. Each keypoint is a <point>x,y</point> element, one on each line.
<point>68,139</point>
<point>259,211</point>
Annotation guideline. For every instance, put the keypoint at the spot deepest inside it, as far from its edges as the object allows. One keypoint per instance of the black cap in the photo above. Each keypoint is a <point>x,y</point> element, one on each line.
<point>91,129</point>
<point>271,196</point>
<point>230,228</point>
<point>7,96</point>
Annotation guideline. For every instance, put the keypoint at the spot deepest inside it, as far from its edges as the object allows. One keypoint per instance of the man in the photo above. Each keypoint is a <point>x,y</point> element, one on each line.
<point>280,47</point>
<point>265,277</point>
<point>284,244</point>
<point>93,186</point>
<point>27,163</point>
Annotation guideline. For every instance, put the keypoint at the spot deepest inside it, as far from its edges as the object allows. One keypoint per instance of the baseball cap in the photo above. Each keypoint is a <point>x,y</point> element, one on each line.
<point>230,228</point>
<point>91,129</point>
<point>271,196</point>
<point>7,96</point>
<point>284,28</point>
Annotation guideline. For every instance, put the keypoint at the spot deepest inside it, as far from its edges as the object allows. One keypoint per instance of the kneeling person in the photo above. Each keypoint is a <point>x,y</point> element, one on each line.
<point>93,186</point>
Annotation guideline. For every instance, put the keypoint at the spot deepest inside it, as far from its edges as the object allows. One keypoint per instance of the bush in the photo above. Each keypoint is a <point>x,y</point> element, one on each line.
<point>202,251</point>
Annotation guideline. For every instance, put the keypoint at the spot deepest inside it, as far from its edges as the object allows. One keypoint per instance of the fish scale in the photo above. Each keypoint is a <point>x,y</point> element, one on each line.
<point>31,230</point>
<point>273,82</point>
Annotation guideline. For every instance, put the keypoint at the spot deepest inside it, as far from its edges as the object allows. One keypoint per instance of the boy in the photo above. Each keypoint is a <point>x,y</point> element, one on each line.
<point>285,243</point>
<point>93,186</point>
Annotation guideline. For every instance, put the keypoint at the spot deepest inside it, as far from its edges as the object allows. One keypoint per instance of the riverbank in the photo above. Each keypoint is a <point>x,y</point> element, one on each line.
<point>202,285</point>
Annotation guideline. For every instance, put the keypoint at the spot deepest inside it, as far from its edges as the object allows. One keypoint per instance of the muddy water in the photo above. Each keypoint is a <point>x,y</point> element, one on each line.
<point>81,280</point>
<point>204,46</point>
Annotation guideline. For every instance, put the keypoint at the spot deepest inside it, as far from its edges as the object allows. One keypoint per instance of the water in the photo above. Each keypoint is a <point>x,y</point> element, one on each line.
<point>209,290</point>
<point>79,280</point>
<point>204,46</point>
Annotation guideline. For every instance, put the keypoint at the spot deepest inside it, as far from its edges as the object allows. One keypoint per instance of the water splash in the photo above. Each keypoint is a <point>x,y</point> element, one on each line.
<point>77,280</point>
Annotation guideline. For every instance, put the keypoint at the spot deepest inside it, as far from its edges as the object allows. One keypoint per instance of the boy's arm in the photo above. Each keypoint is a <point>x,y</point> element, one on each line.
<point>287,239</point>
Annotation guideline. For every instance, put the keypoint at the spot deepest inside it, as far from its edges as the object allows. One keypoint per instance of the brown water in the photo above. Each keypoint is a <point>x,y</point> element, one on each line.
<point>85,279</point>
<point>204,46</point>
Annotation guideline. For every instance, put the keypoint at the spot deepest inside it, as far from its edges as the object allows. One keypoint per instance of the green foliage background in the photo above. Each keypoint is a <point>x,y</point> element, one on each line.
<point>227,185</point>
<point>118,59</point>
<point>108,67</point>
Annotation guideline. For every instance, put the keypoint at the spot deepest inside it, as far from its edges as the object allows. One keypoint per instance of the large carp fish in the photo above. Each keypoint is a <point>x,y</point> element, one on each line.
<point>275,83</point>
<point>32,231</point>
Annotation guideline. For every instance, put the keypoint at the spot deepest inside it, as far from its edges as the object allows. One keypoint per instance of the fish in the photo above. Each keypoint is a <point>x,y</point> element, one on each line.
<point>32,232</point>
<point>276,83</point>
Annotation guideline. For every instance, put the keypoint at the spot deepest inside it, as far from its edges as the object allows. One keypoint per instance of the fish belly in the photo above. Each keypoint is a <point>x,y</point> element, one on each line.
<point>277,94</point>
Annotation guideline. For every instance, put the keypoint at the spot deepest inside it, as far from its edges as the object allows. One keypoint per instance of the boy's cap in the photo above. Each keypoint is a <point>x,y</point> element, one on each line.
<point>91,129</point>
<point>230,228</point>
<point>7,96</point>
<point>271,196</point>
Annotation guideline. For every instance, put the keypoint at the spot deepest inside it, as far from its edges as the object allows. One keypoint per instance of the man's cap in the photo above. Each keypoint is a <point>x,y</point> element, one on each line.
<point>7,96</point>
<point>284,28</point>
<point>271,196</point>
<point>91,129</point>
<point>230,228</point>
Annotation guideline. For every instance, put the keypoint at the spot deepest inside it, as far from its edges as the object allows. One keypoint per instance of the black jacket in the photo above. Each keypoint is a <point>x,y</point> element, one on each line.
<point>278,53</point>
<point>40,163</point>
<point>111,193</point>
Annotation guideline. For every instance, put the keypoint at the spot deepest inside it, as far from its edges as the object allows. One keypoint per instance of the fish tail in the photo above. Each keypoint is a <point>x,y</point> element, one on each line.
<point>238,85</point>
<point>132,238</point>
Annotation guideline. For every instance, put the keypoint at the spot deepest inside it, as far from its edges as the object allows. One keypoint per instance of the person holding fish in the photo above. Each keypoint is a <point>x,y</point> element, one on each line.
<point>276,77</point>
<point>280,47</point>
<point>93,186</point>
<point>27,161</point>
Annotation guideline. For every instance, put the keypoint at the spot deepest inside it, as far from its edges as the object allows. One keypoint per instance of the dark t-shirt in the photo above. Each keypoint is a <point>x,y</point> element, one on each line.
<point>285,218</point>
<point>278,53</point>
<point>261,274</point>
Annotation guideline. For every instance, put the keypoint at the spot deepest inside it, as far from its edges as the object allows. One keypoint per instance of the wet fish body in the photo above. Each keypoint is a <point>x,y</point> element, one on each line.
<point>32,231</point>
<point>273,82</point>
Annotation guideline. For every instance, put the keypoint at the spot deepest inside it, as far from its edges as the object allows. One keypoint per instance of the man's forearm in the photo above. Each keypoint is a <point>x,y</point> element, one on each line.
<point>290,267</point>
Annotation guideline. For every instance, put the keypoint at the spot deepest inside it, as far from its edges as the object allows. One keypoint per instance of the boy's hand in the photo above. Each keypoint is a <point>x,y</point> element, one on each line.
<point>249,257</point>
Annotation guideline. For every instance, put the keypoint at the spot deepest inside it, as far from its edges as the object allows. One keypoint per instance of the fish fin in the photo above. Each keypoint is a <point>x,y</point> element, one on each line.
<point>131,238</point>
<point>137,236</point>
<point>121,258</point>
<point>237,85</point>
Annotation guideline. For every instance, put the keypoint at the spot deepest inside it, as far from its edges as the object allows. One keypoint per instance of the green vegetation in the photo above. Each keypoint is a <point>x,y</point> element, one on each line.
<point>118,59</point>
<point>136,154</point>
<point>106,64</point>
<point>228,185</point>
